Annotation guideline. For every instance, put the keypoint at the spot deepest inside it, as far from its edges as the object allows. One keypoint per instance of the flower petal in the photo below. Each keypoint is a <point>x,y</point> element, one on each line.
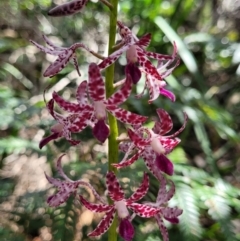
<point>67,8</point>
<point>141,190</point>
<point>113,57</point>
<point>95,207</point>
<point>66,105</point>
<point>165,124</point>
<point>182,128</point>
<point>126,229</point>
<point>129,161</point>
<point>163,196</point>
<point>114,189</point>
<point>96,87</point>
<point>144,41</point>
<point>162,227</point>
<point>169,144</point>
<point>60,170</point>
<point>134,72</point>
<point>138,141</point>
<point>104,225</point>
<point>171,214</point>
<point>169,94</point>
<point>81,94</point>
<point>146,64</point>
<point>164,164</point>
<point>142,210</point>
<point>124,146</point>
<point>125,116</point>
<point>122,94</point>
<point>66,188</point>
<point>59,63</point>
<point>101,130</point>
<point>47,139</point>
<point>158,56</point>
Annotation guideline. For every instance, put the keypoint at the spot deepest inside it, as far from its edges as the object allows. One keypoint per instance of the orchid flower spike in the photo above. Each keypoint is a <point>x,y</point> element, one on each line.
<point>120,206</point>
<point>67,187</point>
<point>64,55</point>
<point>152,144</point>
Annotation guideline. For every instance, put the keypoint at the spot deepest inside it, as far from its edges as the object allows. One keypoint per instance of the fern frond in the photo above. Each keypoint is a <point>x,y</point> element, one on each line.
<point>64,220</point>
<point>189,220</point>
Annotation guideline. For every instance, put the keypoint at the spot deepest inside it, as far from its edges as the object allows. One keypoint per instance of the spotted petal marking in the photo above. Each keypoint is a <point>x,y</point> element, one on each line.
<point>79,122</point>
<point>171,214</point>
<point>81,94</point>
<point>104,225</point>
<point>163,195</point>
<point>141,190</point>
<point>125,116</point>
<point>65,189</point>
<point>158,56</point>
<point>146,64</point>
<point>137,140</point>
<point>64,56</point>
<point>97,208</point>
<point>66,105</point>
<point>144,41</point>
<point>96,88</point>
<point>72,123</point>
<point>113,57</point>
<point>162,227</point>
<point>129,161</point>
<point>114,189</point>
<point>142,210</point>
<point>59,63</point>
<point>169,144</point>
<point>68,8</point>
<point>124,146</point>
<point>165,124</point>
<point>122,94</point>
<point>181,129</point>
<point>124,31</point>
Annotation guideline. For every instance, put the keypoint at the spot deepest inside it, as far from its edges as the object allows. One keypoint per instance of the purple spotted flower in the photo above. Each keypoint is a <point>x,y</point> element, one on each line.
<point>152,144</point>
<point>96,110</point>
<point>73,122</point>
<point>135,54</point>
<point>64,55</point>
<point>66,187</point>
<point>121,206</point>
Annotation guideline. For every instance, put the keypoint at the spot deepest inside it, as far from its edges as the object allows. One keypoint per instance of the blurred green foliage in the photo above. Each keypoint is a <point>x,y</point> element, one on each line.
<point>207,87</point>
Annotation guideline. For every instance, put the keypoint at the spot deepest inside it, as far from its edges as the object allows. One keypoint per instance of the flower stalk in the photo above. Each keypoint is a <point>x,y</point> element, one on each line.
<point>109,80</point>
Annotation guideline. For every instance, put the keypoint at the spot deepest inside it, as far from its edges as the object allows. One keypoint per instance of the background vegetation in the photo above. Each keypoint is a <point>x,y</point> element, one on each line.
<point>207,86</point>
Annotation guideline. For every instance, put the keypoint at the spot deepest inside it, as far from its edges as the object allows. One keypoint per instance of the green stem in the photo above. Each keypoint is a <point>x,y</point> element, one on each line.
<point>109,80</point>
